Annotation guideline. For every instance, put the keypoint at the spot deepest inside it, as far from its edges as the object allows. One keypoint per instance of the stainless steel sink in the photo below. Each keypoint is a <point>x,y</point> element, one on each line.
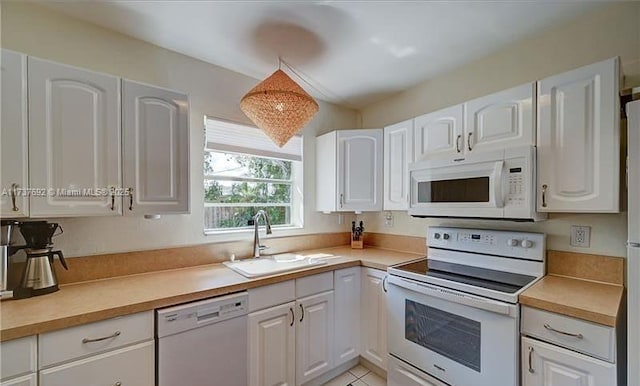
<point>284,262</point>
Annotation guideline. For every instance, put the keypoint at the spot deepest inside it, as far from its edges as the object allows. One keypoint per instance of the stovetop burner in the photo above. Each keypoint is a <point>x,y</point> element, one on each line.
<point>506,282</point>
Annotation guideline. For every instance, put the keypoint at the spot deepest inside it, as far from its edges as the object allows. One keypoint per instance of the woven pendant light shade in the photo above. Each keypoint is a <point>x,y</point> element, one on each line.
<point>279,107</point>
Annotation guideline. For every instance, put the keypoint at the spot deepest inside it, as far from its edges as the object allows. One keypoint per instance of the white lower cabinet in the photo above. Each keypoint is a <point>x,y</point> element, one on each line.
<point>544,364</point>
<point>347,315</point>
<point>403,374</point>
<point>133,365</point>
<point>18,358</point>
<point>373,326</point>
<point>272,346</point>
<point>118,351</point>
<point>314,336</point>
<point>27,380</point>
<point>291,343</point>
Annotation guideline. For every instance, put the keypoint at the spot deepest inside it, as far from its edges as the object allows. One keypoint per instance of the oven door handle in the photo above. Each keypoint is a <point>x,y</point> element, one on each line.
<point>454,296</point>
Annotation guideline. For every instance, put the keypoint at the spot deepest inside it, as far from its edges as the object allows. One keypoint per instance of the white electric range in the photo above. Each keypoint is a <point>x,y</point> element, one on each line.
<point>454,315</point>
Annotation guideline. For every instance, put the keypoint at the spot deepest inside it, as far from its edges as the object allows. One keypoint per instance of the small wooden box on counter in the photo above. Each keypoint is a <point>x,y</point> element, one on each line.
<point>357,244</point>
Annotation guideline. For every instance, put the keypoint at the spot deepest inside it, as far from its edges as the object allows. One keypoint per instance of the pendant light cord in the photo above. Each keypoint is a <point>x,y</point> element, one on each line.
<point>334,96</point>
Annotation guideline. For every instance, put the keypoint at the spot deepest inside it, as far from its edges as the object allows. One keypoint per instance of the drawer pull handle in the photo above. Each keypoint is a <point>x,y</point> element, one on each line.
<point>117,384</point>
<point>531,370</point>
<point>548,327</point>
<point>87,340</point>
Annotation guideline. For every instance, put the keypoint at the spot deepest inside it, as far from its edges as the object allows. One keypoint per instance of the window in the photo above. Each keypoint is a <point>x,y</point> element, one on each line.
<point>245,172</point>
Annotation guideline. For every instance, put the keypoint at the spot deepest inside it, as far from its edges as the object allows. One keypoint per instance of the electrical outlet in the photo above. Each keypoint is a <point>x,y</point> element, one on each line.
<point>580,236</point>
<point>388,219</point>
<point>340,219</point>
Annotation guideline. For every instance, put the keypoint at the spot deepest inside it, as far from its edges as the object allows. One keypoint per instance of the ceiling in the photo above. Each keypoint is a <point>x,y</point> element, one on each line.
<point>351,52</point>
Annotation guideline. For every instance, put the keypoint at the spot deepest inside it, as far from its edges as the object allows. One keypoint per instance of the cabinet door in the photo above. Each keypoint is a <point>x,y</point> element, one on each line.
<point>398,153</point>
<point>74,140</point>
<point>360,170</point>
<point>314,336</point>
<point>579,140</point>
<point>347,317</point>
<point>272,354</point>
<point>27,380</point>
<point>439,133</point>
<point>547,365</point>
<point>403,374</point>
<point>14,135</point>
<point>18,357</point>
<point>374,318</point>
<point>503,119</point>
<point>133,365</point>
<point>155,149</point>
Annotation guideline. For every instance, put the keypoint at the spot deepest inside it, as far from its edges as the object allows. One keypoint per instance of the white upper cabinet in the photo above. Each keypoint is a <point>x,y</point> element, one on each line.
<point>14,136</point>
<point>74,140</point>
<point>155,149</point>
<point>439,133</point>
<point>500,120</point>
<point>579,140</point>
<point>398,153</point>
<point>349,171</point>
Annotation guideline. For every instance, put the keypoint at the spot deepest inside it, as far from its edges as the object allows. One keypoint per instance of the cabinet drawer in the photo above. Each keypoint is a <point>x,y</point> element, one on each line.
<point>17,357</point>
<point>403,374</point>
<point>71,343</point>
<point>596,339</point>
<point>132,365</point>
<point>271,295</point>
<point>315,284</point>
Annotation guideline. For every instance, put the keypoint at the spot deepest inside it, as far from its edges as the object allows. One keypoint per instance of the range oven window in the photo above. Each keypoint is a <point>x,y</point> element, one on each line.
<point>450,335</point>
<point>458,190</point>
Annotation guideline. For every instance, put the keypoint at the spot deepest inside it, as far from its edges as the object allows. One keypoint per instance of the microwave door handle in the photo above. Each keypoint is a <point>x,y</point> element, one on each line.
<point>497,184</point>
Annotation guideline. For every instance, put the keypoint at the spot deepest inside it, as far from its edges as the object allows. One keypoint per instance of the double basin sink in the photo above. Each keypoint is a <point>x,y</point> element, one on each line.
<point>284,262</point>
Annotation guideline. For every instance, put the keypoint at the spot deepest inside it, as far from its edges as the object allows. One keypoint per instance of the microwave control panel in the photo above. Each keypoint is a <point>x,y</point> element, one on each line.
<point>516,185</point>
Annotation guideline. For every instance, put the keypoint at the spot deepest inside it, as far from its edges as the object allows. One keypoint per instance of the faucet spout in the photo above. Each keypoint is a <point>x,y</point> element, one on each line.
<point>256,238</point>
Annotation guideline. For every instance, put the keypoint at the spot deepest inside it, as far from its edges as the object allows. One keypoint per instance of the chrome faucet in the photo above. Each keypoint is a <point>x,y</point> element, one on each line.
<point>256,239</point>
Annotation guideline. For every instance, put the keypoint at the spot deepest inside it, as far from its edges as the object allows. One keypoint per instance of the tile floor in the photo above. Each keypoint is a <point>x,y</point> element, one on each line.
<point>357,376</point>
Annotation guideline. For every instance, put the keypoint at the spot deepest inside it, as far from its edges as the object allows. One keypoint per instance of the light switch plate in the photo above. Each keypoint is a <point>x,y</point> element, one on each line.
<point>580,236</point>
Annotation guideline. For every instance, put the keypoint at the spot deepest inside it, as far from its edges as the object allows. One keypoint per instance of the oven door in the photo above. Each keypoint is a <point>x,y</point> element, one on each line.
<point>459,338</point>
<point>459,190</point>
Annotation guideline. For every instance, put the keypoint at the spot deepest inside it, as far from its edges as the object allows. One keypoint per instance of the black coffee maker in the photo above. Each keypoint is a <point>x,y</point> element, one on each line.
<point>39,277</point>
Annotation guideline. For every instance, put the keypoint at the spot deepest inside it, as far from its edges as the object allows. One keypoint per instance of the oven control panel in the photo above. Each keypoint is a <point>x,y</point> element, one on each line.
<point>526,245</point>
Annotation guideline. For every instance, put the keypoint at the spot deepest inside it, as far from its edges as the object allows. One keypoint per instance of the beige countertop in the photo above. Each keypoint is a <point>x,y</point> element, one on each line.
<point>596,302</point>
<point>96,300</point>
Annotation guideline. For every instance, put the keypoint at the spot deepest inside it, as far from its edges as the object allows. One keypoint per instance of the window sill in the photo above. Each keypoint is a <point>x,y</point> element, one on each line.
<point>276,231</point>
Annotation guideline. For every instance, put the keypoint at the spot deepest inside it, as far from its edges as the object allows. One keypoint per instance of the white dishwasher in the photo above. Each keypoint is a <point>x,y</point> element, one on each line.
<point>203,343</point>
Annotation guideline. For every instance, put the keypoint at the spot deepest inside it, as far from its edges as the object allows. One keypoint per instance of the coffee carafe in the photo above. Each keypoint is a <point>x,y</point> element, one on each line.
<point>39,276</point>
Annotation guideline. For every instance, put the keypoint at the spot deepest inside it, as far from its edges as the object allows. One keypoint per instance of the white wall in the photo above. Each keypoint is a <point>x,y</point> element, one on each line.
<point>213,91</point>
<point>613,31</point>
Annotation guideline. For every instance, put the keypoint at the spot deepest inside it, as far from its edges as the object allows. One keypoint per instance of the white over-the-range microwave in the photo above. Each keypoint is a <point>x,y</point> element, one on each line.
<point>497,184</point>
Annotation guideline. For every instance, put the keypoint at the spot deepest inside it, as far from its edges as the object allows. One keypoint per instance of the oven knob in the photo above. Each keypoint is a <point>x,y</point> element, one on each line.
<point>437,236</point>
<point>526,243</point>
<point>513,242</point>
<point>445,236</point>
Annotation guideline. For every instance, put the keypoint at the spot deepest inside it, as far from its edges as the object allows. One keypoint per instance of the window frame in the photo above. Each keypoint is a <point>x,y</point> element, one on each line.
<point>296,205</point>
